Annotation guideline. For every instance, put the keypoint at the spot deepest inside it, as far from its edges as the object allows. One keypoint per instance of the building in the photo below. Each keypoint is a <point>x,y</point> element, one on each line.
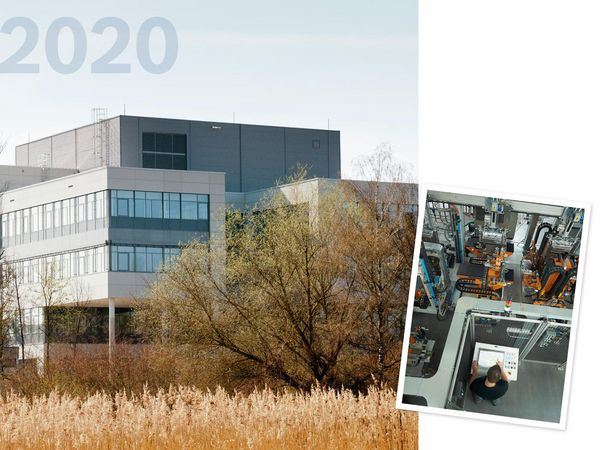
<point>103,206</point>
<point>251,156</point>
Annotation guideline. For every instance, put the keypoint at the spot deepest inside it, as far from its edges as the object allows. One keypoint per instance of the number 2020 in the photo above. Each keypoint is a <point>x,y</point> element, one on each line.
<point>105,63</point>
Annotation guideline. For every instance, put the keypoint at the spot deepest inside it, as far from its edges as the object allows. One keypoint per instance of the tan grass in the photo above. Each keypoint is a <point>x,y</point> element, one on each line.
<point>189,418</point>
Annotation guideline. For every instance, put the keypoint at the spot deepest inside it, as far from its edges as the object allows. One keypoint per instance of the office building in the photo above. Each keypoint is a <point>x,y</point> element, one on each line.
<point>104,206</point>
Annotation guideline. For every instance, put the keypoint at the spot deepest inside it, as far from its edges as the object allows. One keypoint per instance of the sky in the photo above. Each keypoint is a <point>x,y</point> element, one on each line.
<point>349,66</point>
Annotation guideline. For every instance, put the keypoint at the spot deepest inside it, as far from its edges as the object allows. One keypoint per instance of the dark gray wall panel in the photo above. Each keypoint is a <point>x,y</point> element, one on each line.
<point>218,150</point>
<point>263,156</point>
<point>299,150</point>
<point>335,165</point>
<point>130,142</point>
<point>252,156</point>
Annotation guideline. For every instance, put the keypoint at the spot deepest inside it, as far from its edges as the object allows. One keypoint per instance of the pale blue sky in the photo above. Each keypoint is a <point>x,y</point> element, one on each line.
<point>271,62</point>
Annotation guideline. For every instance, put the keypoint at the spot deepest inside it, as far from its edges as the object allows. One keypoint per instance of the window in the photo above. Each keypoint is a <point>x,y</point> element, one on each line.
<point>57,212</point>
<point>172,206</point>
<point>122,258</point>
<point>164,151</point>
<point>48,216</point>
<point>65,213</point>
<point>140,259</point>
<point>122,204</point>
<point>189,206</point>
<point>18,220</point>
<point>154,258</point>
<point>203,211</point>
<point>171,254</point>
<point>140,204</point>
<point>159,205</point>
<point>80,209</point>
<point>154,205</point>
<point>99,205</point>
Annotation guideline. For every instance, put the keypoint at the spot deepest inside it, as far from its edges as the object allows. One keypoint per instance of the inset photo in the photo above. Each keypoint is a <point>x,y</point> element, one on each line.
<point>490,330</point>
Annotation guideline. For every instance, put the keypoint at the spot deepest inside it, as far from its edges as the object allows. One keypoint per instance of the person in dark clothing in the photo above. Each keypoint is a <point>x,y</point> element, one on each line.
<point>491,387</point>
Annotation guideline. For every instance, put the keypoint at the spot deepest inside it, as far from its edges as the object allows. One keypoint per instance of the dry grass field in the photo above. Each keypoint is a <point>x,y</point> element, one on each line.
<point>192,419</point>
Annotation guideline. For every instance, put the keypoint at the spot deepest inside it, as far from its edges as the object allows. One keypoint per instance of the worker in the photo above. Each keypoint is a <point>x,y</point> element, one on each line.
<point>491,387</point>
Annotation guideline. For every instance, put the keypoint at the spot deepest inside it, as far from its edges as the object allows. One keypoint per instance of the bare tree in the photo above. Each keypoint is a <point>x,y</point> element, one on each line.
<point>3,144</point>
<point>313,290</point>
<point>379,241</point>
<point>52,292</point>
<point>74,317</point>
<point>277,311</point>
<point>6,309</point>
<point>19,310</point>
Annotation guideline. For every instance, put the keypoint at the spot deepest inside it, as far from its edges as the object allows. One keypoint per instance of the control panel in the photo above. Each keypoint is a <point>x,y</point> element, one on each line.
<point>488,355</point>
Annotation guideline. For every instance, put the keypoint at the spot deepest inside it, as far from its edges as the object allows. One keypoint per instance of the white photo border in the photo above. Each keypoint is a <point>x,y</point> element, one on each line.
<point>424,188</point>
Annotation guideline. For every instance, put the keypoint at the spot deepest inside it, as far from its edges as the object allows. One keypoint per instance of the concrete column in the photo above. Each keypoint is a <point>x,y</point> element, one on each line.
<point>111,327</point>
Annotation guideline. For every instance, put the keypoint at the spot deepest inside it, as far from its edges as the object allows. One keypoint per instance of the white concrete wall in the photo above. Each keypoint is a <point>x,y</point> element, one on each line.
<point>120,285</point>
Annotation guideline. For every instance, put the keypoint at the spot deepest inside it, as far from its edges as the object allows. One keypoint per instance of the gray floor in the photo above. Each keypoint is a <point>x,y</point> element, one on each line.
<point>536,395</point>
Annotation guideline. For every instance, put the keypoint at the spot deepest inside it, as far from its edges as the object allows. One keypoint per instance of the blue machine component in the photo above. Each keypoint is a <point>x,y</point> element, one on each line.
<point>429,282</point>
<point>460,243</point>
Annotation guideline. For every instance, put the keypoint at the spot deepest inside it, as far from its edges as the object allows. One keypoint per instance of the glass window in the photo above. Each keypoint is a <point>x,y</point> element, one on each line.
<point>171,254</point>
<point>180,143</point>
<point>164,161</point>
<point>90,206</point>
<point>113,203</point>
<point>34,219</point>
<point>122,207</point>
<point>164,151</point>
<point>174,206</point>
<point>26,220</point>
<point>48,219</point>
<point>154,205</point>
<point>57,213</point>
<point>65,213</point>
<point>100,205</point>
<point>189,207</point>
<point>123,259</point>
<point>149,160</point>
<point>81,209</point>
<point>164,143</point>
<point>140,259</point>
<point>148,142</point>
<point>71,211</point>
<point>179,162</point>
<point>99,255</point>
<point>140,204</point>
<point>18,221</point>
<point>202,211</point>
<point>89,261</point>
<point>154,258</point>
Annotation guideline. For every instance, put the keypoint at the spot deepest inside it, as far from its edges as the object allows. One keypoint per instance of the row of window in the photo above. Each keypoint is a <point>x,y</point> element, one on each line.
<point>61,218</point>
<point>33,327</point>
<point>89,212</point>
<point>159,205</point>
<point>62,265</point>
<point>123,258</point>
<point>138,258</point>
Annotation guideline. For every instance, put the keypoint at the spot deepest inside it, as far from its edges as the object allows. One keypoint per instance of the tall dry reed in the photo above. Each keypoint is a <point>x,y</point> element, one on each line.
<point>189,418</point>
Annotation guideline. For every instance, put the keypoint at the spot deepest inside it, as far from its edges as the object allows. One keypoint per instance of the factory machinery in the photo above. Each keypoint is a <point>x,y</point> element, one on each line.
<point>477,234</point>
<point>549,268</point>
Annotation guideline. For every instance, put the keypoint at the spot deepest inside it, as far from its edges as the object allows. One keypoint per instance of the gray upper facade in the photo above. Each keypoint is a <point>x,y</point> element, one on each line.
<point>251,156</point>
